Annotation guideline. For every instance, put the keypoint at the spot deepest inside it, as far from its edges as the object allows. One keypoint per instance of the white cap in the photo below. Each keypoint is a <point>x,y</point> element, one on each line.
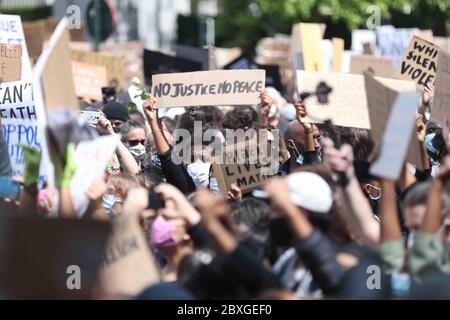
<point>308,190</point>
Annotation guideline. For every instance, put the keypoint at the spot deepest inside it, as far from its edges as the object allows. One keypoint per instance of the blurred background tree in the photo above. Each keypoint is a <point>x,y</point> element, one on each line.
<point>243,22</point>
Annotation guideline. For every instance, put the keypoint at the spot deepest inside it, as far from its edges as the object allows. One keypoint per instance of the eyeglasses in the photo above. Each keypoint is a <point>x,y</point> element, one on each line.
<point>134,143</point>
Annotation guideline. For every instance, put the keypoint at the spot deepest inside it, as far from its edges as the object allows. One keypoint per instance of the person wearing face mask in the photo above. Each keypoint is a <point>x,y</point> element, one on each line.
<point>117,188</point>
<point>303,141</point>
<point>116,113</point>
<point>133,137</point>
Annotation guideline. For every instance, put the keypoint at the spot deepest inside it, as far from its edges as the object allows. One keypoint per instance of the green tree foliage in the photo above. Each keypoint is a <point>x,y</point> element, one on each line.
<point>244,22</point>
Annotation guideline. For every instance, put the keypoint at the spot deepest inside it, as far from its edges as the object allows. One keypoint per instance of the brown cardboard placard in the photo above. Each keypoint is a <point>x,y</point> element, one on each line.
<point>419,62</point>
<point>382,67</point>
<point>113,64</point>
<point>249,173</point>
<point>208,88</point>
<point>381,95</point>
<point>441,101</point>
<point>311,39</point>
<point>89,80</point>
<point>54,70</point>
<point>338,50</point>
<point>10,62</point>
<point>347,102</point>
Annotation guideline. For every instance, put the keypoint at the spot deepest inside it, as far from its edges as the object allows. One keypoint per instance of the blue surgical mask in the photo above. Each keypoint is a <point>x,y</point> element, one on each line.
<point>300,160</point>
<point>108,202</point>
<point>429,142</point>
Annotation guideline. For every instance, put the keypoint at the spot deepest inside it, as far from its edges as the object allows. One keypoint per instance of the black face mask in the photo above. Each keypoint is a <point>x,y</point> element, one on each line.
<point>116,130</point>
<point>280,232</point>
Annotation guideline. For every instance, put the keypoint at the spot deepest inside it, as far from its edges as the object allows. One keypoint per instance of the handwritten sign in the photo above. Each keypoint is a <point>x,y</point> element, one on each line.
<point>338,50</point>
<point>113,64</point>
<point>311,39</point>
<point>419,62</point>
<point>381,67</point>
<point>347,102</point>
<point>381,96</point>
<point>19,121</point>
<point>11,32</point>
<point>400,129</point>
<point>248,173</point>
<point>89,80</point>
<point>206,88</point>
<point>10,62</point>
<point>441,102</point>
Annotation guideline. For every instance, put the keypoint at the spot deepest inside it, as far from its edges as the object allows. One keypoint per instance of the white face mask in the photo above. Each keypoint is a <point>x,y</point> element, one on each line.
<point>427,116</point>
<point>199,172</point>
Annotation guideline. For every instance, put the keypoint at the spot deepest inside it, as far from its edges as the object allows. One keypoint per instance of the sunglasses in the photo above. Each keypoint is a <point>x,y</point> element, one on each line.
<point>134,143</point>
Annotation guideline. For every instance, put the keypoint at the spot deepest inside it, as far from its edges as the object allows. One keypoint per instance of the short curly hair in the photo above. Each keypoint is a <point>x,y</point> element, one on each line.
<point>241,118</point>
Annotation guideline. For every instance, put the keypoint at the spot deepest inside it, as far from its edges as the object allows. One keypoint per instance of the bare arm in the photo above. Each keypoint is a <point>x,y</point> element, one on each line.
<point>151,114</point>
<point>390,224</point>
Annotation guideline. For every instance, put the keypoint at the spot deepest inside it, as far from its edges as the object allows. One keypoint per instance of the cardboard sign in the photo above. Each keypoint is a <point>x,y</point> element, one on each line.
<point>347,102</point>
<point>248,172</point>
<point>54,71</point>
<point>393,42</point>
<point>400,129</point>
<point>10,62</point>
<point>381,67</point>
<point>208,88</point>
<point>113,64</point>
<point>381,96</point>
<point>419,62</point>
<point>441,101</point>
<point>338,50</point>
<point>19,121</point>
<point>128,266</point>
<point>442,42</point>
<point>11,32</point>
<point>91,158</point>
<point>89,80</point>
<point>311,39</point>
<point>50,258</point>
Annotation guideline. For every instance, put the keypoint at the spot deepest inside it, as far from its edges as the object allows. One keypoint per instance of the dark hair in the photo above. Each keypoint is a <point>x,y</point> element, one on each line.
<point>241,118</point>
<point>360,141</point>
<point>129,126</point>
<point>254,214</point>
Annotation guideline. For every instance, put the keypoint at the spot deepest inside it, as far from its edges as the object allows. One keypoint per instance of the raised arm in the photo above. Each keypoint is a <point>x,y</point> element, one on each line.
<point>358,213</point>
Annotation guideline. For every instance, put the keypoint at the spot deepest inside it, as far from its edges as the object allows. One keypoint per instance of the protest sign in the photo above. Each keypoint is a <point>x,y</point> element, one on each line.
<point>89,80</point>
<point>393,42</point>
<point>128,266</point>
<point>10,62</point>
<point>19,121</point>
<point>338,50</point>
<point>45,258</point>
<point>113,64</point>
<point>201,55</point>
<point>347,102</point>
<point>36,33</point>
<point>400,129</point>
<point>53,71</point>
<point>381,96</point>
<point>360,37</point>
<point>243,164</point>
<point>442,42</point>
<point>311,39</point>
<point>381,67</point>
<point>419,62</point>
<point>441,102</point>
<point>208,88</point>
<point>11,32</point>
<point>91,158</point>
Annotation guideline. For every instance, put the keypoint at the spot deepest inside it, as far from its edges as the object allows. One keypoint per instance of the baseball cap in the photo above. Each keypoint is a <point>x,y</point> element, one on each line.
<point>308,190</point>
